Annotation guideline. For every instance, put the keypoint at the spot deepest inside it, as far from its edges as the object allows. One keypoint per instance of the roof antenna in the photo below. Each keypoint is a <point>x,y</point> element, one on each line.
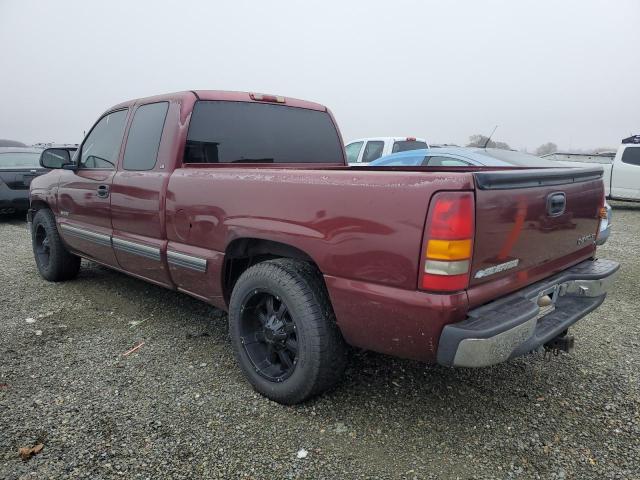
<point>489,137</point>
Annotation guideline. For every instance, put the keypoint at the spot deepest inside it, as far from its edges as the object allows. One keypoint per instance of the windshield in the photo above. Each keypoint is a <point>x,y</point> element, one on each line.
<point>242,132</point>
<point>19,159</point>
<point>405,145</point>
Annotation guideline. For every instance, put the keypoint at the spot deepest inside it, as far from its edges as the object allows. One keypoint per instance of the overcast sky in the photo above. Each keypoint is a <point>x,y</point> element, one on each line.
<point>561,71</point>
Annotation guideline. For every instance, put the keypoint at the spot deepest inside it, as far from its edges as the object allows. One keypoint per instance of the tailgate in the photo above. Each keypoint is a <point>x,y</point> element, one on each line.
<point>526,218</point>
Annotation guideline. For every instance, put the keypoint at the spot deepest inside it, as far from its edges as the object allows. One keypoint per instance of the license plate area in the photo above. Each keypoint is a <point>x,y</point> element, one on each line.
<point>547,305</point>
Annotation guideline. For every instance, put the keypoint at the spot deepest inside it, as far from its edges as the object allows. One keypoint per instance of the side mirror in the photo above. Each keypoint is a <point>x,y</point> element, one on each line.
<point>56,158</point>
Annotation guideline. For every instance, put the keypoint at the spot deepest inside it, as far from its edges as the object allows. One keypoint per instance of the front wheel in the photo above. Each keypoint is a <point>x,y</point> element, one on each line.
<point>283,331</point>
<point>55,263</point>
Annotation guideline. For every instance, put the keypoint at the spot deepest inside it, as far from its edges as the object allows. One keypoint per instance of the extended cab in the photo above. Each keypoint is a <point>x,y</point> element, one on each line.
<point>245,202</point>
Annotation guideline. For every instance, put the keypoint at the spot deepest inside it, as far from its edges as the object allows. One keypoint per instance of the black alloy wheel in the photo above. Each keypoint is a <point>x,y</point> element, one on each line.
<point>268,335</point>
<point>41,246</point>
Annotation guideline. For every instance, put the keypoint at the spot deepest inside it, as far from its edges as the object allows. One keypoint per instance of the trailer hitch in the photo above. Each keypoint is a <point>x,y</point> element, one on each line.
<point>563,342</point>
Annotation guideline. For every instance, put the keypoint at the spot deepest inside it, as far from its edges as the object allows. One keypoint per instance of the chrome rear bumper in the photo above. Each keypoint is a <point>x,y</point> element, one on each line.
<point>517,324</point>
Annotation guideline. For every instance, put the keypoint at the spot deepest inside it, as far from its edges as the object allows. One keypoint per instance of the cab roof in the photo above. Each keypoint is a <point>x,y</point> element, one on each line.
<point>221,95</point>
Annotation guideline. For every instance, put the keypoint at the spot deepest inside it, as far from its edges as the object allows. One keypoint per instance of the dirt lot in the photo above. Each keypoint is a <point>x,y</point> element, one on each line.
<point>179,407</point>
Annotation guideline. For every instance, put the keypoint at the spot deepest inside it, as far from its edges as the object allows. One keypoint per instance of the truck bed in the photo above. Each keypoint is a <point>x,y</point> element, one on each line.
<point>364,228</point>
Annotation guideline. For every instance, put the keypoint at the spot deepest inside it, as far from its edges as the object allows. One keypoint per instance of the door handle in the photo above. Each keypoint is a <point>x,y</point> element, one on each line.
<point>103,191</point>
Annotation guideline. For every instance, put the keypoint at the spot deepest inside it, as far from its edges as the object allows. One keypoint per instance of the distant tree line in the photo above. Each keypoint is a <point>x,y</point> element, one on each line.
<point>546,149</point>
<point>10,143</point>
<point>478,140</point>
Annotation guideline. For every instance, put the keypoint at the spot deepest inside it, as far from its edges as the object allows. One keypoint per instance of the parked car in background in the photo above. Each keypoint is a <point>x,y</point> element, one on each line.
<point>263,218</point>
<point>622,174</point>
<point>365,150</point>
<point>463,157</point>
<point>18,166</point>
<point>489,157</point>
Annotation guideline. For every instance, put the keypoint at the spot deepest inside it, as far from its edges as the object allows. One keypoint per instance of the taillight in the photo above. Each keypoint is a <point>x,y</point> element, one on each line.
<point>448,242</point>
<point>602,214</point>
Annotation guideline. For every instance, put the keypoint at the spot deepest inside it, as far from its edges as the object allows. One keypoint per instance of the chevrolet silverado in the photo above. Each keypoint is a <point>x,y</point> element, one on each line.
<point>245,201</point>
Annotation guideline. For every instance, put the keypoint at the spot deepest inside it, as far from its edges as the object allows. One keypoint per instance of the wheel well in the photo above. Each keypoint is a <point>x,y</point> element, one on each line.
<point>38,205</point>
<point>245,252</point>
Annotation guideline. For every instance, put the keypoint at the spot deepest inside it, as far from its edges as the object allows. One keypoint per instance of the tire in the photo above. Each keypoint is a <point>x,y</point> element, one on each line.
<point>313,345</point>
<point>55,263</point>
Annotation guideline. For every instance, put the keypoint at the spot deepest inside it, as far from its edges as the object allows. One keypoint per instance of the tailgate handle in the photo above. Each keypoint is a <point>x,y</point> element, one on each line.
<point>556,203</point>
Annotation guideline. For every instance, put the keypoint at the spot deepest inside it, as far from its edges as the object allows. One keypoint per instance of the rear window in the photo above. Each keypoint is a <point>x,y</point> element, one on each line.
<point>445,162</point>
<point>631,155</point>
<point>405,145</point>
<point>19,160</point>
<point>241,132</point>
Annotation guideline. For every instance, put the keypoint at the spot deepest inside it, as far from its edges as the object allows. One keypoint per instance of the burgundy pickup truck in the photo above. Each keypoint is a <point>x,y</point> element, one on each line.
<point>245,202</point>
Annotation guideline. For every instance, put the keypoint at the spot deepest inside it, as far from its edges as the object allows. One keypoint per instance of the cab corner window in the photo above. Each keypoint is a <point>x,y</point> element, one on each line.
<point>100,149</point>
<point>631,155</point>
<point>372,151</point>
<point>353,151</point>
<point>143,141</point>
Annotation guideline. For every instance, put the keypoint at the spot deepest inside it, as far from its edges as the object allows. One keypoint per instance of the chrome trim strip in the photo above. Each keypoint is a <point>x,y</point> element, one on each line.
<point>187,261</point>
<point>88,235</point>
<point>134,248</point>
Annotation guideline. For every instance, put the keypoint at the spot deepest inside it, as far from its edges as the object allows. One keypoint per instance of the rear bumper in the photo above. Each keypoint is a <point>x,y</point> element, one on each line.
<point>514,325</point>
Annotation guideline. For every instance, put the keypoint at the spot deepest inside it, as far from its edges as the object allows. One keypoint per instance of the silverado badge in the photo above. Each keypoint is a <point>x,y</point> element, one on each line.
<point>501,267</point>
<point>586,239</point>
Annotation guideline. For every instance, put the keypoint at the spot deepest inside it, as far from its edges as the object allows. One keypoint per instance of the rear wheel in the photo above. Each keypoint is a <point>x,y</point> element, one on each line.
<point>55,263</point>
<point>283,331</point>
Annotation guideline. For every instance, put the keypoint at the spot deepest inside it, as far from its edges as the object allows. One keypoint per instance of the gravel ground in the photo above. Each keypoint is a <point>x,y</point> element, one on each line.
<point>179,407</point>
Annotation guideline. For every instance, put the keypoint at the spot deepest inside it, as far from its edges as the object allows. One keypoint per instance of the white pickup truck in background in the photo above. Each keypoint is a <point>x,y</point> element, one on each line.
<point>622,174</point>
<point>365,150</point>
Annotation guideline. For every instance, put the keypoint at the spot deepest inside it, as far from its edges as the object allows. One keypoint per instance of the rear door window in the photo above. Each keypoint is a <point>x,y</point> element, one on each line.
<point>353,151</point>
<point>631,155</point>
<point>372,151</point>
<point>246,132</point>
<point>406,145</point>
<point>145,132</point>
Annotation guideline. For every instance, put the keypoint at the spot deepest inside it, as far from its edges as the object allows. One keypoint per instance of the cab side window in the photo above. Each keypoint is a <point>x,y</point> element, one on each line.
<point>144,137</point>
<point>100,149</point>
<point>372,151</point>
<point>353,151</point>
